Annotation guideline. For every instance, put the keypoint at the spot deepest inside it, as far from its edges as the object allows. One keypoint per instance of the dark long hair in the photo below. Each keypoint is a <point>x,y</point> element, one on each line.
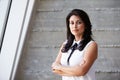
<point>87,32</point>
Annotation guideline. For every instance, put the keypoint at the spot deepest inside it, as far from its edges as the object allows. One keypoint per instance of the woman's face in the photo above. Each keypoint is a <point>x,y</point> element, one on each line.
<point>76,25</point>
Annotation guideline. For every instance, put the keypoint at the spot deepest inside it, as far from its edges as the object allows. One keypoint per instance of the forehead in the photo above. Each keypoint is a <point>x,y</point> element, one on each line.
<point>74,17</point>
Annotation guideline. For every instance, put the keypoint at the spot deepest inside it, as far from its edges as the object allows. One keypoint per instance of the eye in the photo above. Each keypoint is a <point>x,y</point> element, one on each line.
<point>72,22</point>
<point>79,22</point>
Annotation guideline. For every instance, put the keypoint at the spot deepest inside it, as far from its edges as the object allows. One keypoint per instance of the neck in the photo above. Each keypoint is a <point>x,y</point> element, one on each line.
<point>78,38</point>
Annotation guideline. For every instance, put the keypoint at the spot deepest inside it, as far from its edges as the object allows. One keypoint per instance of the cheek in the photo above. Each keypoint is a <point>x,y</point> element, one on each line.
<point>82,28</point>
<point>70,28</point>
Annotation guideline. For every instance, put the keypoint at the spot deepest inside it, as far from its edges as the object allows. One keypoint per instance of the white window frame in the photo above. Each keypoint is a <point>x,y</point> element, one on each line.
<point>4,10</point>
<point>14,37</point>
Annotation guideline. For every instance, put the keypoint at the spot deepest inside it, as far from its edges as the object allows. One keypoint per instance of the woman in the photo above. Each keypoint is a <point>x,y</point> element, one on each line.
<point>75,60</point>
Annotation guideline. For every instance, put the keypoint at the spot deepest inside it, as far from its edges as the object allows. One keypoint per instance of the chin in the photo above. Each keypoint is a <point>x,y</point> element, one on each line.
<point>75,34</point>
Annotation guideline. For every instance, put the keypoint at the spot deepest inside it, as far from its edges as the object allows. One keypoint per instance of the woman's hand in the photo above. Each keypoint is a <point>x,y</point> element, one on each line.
<point>56,66</point>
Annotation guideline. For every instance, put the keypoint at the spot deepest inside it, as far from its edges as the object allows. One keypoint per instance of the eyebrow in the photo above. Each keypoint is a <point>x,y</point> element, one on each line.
<point>77,20</point>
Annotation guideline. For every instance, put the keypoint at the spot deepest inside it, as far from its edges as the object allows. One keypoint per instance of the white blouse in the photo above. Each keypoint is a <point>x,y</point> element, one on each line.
<point>75,59</point>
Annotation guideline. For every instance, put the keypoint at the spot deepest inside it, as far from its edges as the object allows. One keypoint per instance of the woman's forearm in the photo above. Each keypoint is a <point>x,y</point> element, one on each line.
<point>59,69</point>
<point>72,71</point>
<point>67,70</point>
<point>59,72</point>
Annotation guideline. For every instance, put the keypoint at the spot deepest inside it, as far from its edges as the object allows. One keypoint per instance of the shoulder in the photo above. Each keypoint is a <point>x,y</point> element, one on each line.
<point>63,44</point>
<point>91,50</point>
<point>91,44</point>
<point>91,47</point>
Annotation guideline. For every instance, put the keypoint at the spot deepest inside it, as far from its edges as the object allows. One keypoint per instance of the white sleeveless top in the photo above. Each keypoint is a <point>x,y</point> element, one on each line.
<point>75,59</point>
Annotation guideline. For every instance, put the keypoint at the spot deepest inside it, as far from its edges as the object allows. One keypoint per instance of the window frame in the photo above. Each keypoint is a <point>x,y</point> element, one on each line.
<point>14,37</point>
<point>4,8</point>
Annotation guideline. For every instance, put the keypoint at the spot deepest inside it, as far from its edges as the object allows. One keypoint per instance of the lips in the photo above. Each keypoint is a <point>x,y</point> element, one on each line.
<point>75,30</point>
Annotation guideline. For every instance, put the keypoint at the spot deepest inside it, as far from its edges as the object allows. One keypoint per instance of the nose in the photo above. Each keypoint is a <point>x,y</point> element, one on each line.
<point>75,25</point>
